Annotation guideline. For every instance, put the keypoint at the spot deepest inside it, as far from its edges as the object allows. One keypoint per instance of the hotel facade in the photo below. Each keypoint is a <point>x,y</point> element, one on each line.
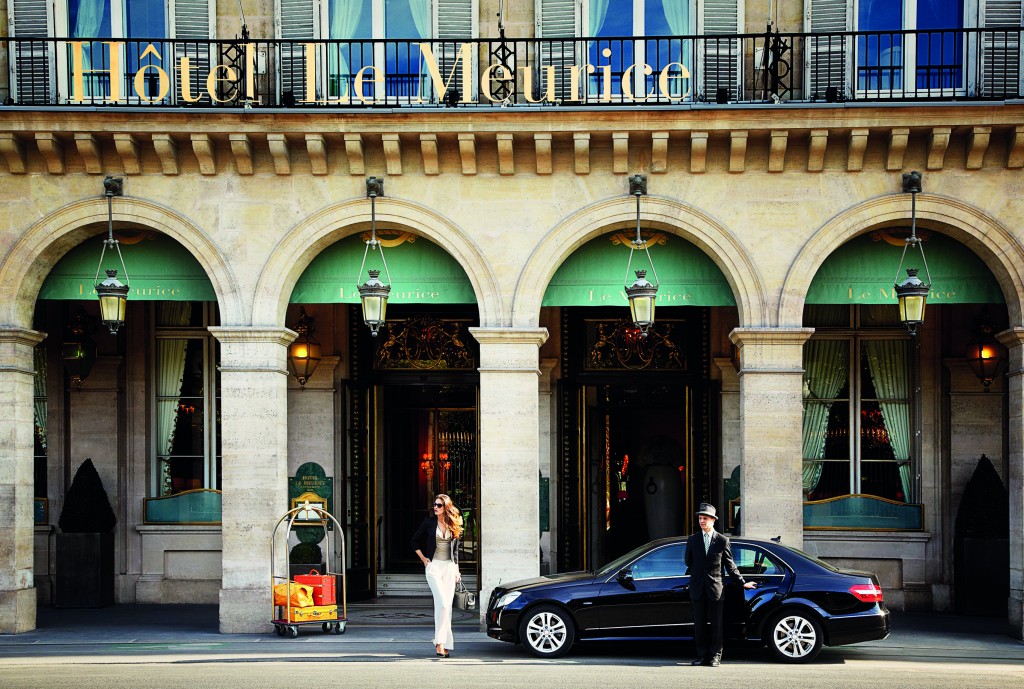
<point>513,153</point>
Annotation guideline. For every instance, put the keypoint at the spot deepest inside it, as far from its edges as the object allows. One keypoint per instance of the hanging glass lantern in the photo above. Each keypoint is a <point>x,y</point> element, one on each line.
<point>911,293</point>
<point>373,293</point>
<point>642,295</point>
<point>112,293</point>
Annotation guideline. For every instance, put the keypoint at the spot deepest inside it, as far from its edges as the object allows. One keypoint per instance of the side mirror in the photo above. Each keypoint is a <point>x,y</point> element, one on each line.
<point>625,576</point>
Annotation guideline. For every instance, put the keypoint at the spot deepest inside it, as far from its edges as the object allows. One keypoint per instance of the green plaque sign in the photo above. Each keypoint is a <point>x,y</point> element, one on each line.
<point>545,512</point>
<point>309,482</point>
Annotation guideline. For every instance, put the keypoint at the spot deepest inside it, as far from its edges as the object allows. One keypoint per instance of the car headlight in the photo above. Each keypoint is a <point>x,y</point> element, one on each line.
<point>507,598</point>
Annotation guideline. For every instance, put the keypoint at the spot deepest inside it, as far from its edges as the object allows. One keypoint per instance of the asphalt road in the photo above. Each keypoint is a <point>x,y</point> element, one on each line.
<point>121,650</point>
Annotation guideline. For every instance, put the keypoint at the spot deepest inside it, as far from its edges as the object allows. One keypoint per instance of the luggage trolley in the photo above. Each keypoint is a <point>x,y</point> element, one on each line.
<point>288,618</point>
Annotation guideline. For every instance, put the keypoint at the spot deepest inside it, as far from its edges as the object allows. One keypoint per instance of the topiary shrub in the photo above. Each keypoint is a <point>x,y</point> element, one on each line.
<point>86,506</point>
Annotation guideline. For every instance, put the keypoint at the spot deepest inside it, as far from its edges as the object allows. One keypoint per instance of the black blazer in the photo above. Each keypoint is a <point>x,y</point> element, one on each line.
<point>706,569</point>
<point>425,540</point>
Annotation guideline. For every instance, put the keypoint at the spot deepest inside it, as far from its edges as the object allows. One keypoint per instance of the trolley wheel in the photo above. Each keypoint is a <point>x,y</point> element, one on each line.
<point>326,626</point>
<point>339,627</point>
<point>293,632</point>
<point>279,629</point>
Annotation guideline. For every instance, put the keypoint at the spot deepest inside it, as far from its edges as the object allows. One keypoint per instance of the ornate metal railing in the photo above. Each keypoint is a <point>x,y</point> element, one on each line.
<point>770,67</point>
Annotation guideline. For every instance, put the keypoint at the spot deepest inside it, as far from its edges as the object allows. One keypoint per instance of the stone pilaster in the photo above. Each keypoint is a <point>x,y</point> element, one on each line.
<point>509,450</point>
<point>17,589</point>
<point>1013,339</point>
<point>771,428</point>
<point>254,468</point>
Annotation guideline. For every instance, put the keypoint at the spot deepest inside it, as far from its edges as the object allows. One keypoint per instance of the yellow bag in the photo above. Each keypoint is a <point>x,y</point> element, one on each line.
<point>301,594</point>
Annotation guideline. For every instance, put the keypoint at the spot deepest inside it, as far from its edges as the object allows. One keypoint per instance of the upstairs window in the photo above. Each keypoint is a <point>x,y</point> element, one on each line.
<point>45,70</point>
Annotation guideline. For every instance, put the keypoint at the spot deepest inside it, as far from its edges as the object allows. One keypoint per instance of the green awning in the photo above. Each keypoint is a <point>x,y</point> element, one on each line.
<point>594,274</point>
<point>159,269</point>
<point>421,272</point>
<point>862,271</point>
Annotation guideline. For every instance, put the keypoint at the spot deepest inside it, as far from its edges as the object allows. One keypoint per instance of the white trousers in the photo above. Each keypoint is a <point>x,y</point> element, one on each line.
<point>441,576</point>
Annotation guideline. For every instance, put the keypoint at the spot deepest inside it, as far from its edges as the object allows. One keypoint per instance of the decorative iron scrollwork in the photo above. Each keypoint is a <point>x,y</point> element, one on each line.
<point>620,345</point>
<point>425,344</point>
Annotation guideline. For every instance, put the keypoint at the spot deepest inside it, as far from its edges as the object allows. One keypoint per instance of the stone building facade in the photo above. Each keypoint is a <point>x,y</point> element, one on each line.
<point>777,200</point>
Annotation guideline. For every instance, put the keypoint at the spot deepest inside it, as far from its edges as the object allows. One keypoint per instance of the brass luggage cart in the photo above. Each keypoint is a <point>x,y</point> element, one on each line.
<point>288,618</point>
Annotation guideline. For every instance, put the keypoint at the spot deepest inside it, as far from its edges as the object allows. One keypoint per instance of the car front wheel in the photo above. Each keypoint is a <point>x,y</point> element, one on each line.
<point>547,632</point>
<point>794,637</point>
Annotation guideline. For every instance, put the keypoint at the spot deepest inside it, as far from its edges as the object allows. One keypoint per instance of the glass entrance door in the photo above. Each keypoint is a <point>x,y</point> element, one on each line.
<point>429,450</point>
<point>639,448</point>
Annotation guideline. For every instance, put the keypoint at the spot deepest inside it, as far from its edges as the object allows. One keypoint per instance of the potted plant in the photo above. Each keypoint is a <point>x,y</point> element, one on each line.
<point>85,544</point>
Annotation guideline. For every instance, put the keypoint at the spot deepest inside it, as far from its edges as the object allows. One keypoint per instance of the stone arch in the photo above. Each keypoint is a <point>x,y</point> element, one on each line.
<point>972,227</point>
<point>306,240</point>
<point>26,266</point>
<point>669,215</point>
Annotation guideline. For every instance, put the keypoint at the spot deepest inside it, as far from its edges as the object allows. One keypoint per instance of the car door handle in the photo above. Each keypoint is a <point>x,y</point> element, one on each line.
<point>681,587</point>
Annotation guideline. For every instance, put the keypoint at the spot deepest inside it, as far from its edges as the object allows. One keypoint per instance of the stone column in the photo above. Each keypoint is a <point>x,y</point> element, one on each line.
<point>254,468</point>
<point>1013,339</point>
<point>17,590</point>
<point>509,451</point>
<point>771,432</point>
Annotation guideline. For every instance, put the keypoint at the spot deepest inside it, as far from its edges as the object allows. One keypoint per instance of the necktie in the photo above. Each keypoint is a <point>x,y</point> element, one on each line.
<point>707,542</point>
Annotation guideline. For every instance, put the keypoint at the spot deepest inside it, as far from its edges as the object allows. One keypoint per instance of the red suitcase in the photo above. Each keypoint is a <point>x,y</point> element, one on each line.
<point>324,587</point>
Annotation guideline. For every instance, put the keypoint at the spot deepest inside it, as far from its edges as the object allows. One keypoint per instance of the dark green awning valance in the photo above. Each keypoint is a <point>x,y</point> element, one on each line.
<point>159,269</point>
<point>594,274</point>
<point>862,271</point>
<point>421,272</point>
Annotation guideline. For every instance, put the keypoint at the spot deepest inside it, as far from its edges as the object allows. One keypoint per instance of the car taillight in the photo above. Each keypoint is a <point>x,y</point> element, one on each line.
<point>869,593</point>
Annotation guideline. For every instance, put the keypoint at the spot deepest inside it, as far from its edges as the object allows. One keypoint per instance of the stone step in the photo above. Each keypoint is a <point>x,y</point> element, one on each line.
<point>411,585</point>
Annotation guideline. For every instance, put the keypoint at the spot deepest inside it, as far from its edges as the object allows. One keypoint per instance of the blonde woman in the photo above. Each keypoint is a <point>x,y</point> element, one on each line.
<point>437,545</point>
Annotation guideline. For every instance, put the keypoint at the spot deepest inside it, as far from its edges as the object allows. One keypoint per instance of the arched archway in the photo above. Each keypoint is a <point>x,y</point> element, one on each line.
<point>29,262</point>
<point>669,215</point>
<point>974,228</point>
<point>312,235</point>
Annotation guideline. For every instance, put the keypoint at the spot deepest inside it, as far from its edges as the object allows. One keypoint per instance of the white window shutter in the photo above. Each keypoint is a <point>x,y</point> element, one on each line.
<point>455,23</point>
<point>827,64</point>
<point>559,19</point>
<point>33,69</point>
<point>297,20</point>
<point>1000,50</point>
<point>193,19</point>
<point>720,58</point>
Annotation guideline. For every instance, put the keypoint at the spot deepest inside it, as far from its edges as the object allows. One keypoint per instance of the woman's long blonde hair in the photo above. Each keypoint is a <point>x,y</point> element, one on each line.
<point>450,517</point>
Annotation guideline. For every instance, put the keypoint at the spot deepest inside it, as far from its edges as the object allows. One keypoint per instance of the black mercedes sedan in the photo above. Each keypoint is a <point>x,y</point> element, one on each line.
<point>800,602</point>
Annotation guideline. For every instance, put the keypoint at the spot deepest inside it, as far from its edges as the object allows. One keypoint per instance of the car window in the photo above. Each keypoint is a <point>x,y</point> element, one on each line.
<point>751,560</point>
<point>663,562</point>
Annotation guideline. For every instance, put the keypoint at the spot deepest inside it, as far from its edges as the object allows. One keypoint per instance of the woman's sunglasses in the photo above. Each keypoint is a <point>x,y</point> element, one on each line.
<point>438,504</point>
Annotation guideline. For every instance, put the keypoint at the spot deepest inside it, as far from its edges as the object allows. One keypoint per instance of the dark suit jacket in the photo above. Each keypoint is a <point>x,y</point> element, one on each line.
<point>425,540</point>
<point>706,569</point>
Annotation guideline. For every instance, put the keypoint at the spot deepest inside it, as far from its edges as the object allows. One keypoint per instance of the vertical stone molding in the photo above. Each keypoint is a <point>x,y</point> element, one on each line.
<point>254,466</point>
<point>17,588</point>
<point>1013,340</point>
<point>771,431</point>
<point>509,447</point>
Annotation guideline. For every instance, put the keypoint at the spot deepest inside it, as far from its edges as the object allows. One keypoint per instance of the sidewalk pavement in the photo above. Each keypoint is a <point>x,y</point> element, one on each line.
<point>410,621</point>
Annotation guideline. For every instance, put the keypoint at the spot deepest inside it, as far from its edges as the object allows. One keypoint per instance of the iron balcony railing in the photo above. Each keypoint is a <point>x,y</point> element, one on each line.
<point>770,67</point>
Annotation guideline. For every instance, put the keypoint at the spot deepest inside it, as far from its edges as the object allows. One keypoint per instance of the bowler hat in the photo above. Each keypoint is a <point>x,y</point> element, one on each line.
<point>708,510</point>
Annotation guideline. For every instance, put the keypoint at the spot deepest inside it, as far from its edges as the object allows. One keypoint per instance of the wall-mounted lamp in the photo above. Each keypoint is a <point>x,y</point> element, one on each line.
<point>78,350</point>
<point>373,293</point>
<point>985,355</point>
<point>641,294</point>
<point>304,352</point>
<point>113,295</point>
<point>912,294</point>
